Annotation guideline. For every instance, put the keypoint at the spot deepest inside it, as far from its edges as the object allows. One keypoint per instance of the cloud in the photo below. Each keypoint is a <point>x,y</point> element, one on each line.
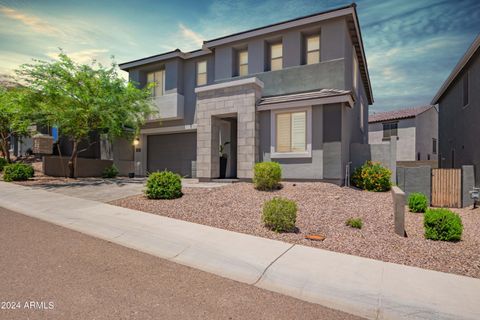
<point>84,56</point>
<point>191,35</point>
<point>36,24</point>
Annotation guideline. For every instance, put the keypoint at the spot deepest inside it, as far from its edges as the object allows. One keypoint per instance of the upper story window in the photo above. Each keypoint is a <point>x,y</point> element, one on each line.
<point>465,89</point>
<point>243,62</point>
<point>355,71</point>
<point>276,56</point>
<point>201,73</point>
<point>390,129</point>
<point>362,119</point>
<point>434,146</point>
<point>157,77</point>
<point>312,49</point>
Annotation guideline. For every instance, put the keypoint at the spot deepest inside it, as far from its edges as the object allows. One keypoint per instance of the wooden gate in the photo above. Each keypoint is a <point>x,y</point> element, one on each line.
<point>447,188</point>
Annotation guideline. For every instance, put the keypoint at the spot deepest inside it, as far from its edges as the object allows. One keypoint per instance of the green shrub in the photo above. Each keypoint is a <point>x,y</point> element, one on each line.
<point>3,163</point>
<point>280,214</point>
<point>110,172</point>
<point>372,176</point>
<point>442,224</point>
<point>417,202</point>
<point>267,176</point>
<point>164,185</point>
<point>354,223</point>
<point>17,172</point>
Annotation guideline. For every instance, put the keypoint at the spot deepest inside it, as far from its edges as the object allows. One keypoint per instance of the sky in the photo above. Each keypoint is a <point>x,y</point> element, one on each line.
<point>411,46</point>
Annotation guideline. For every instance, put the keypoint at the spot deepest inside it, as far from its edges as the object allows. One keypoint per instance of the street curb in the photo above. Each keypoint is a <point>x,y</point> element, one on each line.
<point>365,287</point>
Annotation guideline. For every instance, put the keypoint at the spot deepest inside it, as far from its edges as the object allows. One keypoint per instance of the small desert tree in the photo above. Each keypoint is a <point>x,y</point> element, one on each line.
<point>15,116</point>
<point>80,99</point>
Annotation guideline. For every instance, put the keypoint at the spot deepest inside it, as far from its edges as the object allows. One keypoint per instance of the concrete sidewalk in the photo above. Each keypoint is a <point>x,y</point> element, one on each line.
<point>360,286</point>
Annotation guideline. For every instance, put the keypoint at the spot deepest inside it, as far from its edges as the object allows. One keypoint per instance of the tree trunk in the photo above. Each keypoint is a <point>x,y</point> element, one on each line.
<point>5,148</point>
<point>73,160</point>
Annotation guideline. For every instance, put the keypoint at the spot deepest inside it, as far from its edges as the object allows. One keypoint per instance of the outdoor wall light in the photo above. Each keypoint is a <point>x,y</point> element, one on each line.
<point>136,142</point>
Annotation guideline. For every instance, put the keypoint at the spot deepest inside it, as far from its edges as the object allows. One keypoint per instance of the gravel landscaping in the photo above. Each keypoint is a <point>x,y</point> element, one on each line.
<point>323,209</point>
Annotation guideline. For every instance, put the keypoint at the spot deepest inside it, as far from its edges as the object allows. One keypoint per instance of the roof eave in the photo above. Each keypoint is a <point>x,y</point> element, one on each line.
<point>313,18</point>
<point>458,68</point>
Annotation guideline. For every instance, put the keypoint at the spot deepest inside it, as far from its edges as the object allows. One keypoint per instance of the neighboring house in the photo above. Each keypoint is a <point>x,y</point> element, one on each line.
<point>459,113</point>
<point>296,92</point>
<point>416,130</point>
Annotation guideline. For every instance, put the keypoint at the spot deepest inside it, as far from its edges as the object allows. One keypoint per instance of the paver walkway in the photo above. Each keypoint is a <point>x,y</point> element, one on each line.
<point>360,286</point>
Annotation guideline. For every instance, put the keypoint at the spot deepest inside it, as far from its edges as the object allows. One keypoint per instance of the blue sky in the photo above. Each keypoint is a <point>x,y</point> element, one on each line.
<point>411,46</point>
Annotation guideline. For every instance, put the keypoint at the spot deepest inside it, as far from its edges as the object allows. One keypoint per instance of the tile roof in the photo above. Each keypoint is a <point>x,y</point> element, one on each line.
<point>323,93</point>
<point>398,114</point>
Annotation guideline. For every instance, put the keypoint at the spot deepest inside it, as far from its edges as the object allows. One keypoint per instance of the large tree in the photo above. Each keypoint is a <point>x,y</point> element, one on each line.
<point>15,115</point>
<point>79,99</point>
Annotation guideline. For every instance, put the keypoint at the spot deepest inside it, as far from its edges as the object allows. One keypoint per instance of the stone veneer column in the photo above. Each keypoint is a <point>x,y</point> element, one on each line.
<point>231,99</point>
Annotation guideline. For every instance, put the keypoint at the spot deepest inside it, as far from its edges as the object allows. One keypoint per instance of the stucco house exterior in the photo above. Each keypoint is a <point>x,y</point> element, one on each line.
<point>458,101</point>
<point>416,130</point>
<point>296,92</point>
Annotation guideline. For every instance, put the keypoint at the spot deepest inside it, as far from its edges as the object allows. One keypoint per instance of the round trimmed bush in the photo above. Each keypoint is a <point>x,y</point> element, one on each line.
<point>417,202</point>
<point>442,224</point>
<point>164,185</point>
<point>3,163</point>
<point>17,172</point>
<point>372,176</point>
<point>267,176</point>
<point>280,214</point>
<point>110,172</point>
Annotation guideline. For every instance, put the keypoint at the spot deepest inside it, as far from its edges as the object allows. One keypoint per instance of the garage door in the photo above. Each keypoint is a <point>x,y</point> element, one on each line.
<point>174,152</point>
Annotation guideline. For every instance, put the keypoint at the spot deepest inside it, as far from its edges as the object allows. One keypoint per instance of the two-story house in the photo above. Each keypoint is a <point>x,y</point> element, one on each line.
<point>416,131</point>
<point>296,92</point>
<point>459,113</point>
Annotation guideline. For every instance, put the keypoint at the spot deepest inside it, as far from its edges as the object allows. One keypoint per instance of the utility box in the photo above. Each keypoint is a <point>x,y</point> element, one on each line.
<point>42,144</point>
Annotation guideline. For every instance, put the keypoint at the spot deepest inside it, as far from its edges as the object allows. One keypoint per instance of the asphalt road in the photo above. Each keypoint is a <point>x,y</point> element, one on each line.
<point>49,272</point>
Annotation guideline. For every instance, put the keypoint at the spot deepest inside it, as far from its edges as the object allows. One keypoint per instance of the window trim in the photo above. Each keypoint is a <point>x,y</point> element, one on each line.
<point>355,71</point>
<point>273,133</point>
<point>154,95</point>
<point>198,73</point>
<point>383,130</point>
<point>270,55</point>
<point>362,117</point>
<point>306,37</point>
<point>239,64</point>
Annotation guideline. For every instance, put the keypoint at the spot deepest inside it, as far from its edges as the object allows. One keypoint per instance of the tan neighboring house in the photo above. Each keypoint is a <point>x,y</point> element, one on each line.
<point>416,130</point>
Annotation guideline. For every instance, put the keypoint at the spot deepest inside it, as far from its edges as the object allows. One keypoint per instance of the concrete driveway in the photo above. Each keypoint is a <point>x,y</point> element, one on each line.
<point>106,190</point>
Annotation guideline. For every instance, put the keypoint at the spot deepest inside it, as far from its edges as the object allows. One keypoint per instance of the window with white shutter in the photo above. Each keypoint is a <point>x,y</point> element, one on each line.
<point>291,131</point>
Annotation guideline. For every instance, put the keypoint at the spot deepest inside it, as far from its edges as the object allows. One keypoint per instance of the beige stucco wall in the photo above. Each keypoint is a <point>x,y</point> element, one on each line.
<point>406,138</point>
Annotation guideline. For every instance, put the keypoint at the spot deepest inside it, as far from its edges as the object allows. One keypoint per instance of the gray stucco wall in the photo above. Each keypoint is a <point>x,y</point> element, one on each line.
<point>459,127</point>
<point>426,131</point>
<point>374,152</point>
<point>415,179</point>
